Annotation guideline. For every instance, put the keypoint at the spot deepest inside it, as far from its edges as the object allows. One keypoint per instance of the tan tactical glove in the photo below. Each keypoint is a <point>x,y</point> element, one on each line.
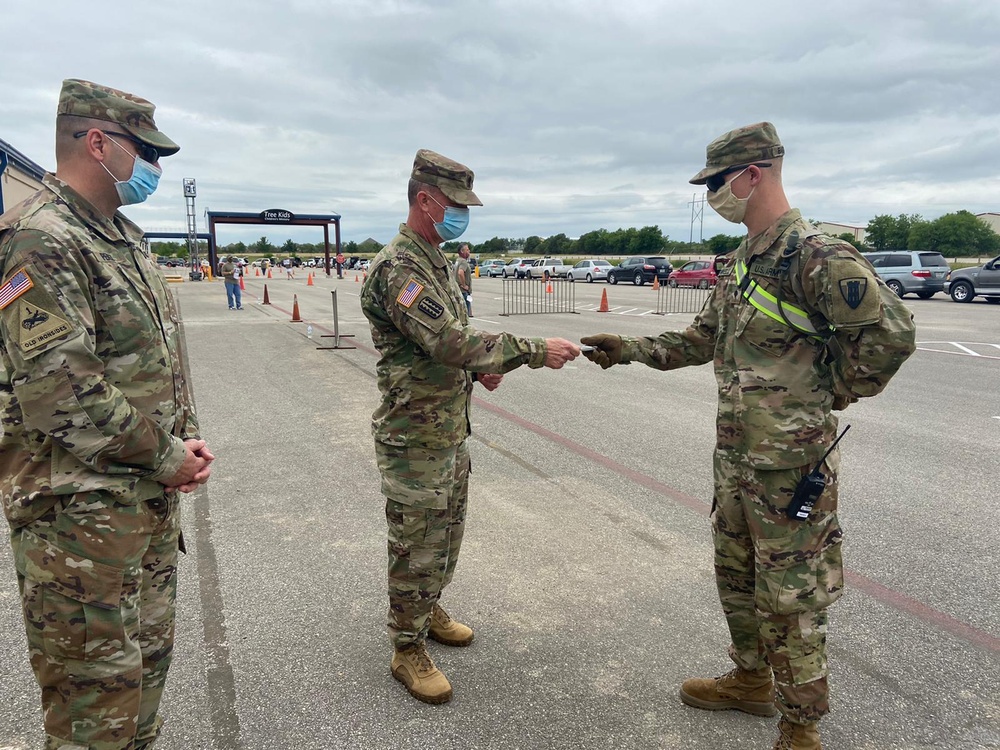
<point>607,349</point>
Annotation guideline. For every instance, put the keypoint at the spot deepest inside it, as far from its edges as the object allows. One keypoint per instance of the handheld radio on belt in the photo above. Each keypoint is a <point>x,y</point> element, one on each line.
<point>810,487</point>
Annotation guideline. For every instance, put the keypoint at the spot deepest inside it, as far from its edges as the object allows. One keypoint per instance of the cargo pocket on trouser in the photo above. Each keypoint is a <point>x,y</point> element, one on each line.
<point>89,670</point>
<point>801,571</point>
<point>798,576</point>
<point>75,612</point>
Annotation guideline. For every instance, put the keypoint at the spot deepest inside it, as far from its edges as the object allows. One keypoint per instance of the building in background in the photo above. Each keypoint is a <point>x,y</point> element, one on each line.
<point>20,177</point>
<point>835,230</point>
<point>992,220</point>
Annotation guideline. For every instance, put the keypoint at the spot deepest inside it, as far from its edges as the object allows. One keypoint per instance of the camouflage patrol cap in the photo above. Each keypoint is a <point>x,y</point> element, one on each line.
<point>454,179</point>
<point>132,113</point>
<point>746,145</point>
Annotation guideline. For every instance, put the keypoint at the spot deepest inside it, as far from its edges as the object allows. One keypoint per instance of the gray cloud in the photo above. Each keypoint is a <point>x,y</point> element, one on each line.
<point>575,115</point>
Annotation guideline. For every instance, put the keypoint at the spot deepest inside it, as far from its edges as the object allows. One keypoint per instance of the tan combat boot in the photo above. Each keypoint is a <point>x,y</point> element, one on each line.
<point>752,692</point>
<point>415,669</point>
<point>797,736</point>
<point>447,631</point>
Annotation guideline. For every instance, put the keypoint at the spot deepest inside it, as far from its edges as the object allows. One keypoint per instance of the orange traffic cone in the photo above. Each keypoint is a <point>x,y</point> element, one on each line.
<point>268,273</point>
<point>548,288</point>
<point>256,272</point>
<point>267,300</point>
<point>243,286</point>
<point>309,280</point>
<point>604,302</point>
<point>296,318</point>
<point>356,277</point>
<point>656,282</point>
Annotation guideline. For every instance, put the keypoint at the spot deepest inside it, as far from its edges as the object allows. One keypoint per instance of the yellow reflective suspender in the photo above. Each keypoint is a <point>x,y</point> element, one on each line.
<point>767,303</point>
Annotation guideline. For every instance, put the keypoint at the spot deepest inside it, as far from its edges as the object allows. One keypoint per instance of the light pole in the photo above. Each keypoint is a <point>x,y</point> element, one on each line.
<point>190,191</point>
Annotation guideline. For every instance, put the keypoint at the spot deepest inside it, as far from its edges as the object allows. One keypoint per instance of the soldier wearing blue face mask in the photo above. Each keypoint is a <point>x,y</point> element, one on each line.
<point>100,434</point>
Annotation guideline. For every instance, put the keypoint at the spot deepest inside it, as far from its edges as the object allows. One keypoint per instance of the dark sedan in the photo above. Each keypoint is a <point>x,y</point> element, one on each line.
<point>641,270</point>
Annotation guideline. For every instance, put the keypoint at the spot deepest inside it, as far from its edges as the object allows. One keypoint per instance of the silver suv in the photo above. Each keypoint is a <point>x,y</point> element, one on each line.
<point>906,271</point>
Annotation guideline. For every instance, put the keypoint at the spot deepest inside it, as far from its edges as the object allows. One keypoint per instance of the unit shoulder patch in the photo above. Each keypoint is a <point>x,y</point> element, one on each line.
<point>431,307</point>
<point>37,327</point>
<point>854,298</point>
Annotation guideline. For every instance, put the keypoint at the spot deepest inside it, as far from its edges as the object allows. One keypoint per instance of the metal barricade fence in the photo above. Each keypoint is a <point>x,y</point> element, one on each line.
<point>535,296</point>
<point>680,299</point>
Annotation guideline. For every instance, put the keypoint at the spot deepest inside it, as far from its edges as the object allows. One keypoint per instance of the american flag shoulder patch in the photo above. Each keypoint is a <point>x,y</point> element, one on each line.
<point>15,286</point>
<point>410,293</point>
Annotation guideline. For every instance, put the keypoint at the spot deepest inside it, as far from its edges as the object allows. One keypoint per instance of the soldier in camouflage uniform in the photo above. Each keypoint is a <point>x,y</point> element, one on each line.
<point>790,320</point>
<point>430,360</point>
<point>99,427</point>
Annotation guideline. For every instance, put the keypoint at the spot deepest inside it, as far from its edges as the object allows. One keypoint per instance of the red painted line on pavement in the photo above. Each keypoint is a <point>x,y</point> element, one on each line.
<point>878,591</point>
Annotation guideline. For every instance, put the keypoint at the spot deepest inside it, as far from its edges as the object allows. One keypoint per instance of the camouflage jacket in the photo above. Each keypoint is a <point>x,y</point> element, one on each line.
<point>92,386</point>
<point>776,388</point>
<point>429,352</point>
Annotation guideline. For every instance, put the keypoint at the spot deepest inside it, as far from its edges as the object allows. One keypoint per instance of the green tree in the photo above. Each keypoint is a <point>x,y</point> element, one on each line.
<point>646,241</point>
<point>886,232</point>
<point>722,243</point>
<point>953,235</point>
<point>531,244</point>
<point>262,247</point>
<point>289,247</point>
<point>848,237</point>
<point>349,248</point>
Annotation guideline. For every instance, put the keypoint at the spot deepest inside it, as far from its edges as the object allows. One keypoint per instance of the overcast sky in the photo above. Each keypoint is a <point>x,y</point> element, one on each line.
<point>574,115</point>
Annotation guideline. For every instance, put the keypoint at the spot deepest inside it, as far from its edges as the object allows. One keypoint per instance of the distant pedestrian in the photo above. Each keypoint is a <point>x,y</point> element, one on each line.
<point>231,273</point>
<point>463,272</point>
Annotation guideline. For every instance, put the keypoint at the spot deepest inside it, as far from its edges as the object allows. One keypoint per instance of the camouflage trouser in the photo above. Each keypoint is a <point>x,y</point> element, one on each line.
<point>776,577</point>
<point>426,496</point>
<point>97,582</point>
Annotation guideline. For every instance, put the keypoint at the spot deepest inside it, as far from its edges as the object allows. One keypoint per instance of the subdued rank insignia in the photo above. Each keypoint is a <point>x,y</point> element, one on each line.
<point>853,291</point>
<point>431,307</point>
<point>38,327</point>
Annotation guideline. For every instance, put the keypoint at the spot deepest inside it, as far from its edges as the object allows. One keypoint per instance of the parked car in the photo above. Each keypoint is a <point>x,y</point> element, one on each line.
<point>906,271</point>
<point>641,270</point>
<point>588,270</point>
<point>491,268</point>
<point>517,268</point>
<point>983,280</point>
<point>546,268</point>
<point>699,273</point>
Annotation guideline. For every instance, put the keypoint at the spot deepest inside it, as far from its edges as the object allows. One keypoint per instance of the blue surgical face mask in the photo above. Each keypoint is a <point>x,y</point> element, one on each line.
<point>142,184</point>
<point>453,224</point>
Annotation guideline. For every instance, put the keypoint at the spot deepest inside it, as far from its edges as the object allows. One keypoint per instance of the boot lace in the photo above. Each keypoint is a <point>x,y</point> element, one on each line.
<point>441,616</point>
<point>785,731</point>
<point>422,659</point>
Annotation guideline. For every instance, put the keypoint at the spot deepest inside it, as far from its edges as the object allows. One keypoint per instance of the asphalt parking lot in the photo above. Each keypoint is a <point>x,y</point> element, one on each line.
<point>587,565</point>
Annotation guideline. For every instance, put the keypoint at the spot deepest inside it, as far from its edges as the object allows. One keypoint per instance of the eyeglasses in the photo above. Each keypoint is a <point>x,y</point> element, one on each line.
<point>146,152</point>
<point>716,181</point>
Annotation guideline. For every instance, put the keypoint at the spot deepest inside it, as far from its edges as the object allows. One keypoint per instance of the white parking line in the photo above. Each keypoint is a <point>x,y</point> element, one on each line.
<point>965,349</point>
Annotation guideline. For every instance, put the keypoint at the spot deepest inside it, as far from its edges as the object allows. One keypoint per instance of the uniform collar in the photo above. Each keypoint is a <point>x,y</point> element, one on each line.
<point>767,238</point>
<point>115,229</point>
<point>434,255</point>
